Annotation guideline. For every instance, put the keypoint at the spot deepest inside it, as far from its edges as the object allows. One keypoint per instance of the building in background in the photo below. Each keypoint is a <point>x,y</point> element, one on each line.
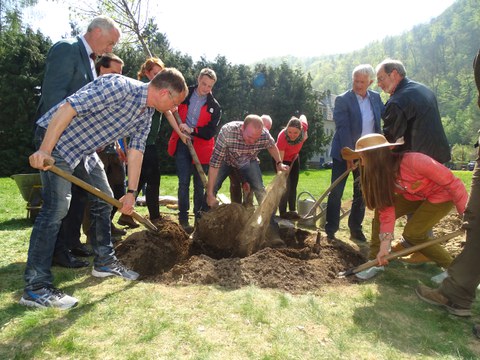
<point>323,159</point>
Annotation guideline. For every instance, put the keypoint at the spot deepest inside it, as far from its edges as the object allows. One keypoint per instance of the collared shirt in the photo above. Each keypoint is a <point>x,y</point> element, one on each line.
<point>109,108</point>
<point>196,103</point>
<point>231,147</point>
<point>368,120</point>
<point>89,51</point>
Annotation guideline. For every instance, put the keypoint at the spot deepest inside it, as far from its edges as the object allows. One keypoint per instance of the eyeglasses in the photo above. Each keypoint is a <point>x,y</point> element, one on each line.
<point>171,98</point>
<point>381,78</point>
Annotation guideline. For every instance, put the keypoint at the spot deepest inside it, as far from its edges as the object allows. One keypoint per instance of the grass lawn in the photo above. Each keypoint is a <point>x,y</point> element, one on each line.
<point>379,319</point>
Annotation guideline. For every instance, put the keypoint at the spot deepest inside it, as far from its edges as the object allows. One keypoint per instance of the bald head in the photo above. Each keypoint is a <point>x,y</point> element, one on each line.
<point>252,129</point>
<point>267,121</point>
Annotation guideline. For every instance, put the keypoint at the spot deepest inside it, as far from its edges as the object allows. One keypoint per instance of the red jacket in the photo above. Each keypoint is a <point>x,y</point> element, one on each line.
<point>203,134</point>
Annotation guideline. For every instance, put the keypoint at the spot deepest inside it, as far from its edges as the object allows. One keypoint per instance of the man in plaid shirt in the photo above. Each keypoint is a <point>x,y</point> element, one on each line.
<point>109,108</point>
<point>237,146</point>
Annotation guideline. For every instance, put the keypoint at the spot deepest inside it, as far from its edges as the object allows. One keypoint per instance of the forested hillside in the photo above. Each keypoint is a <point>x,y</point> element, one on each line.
<point>438,54</point>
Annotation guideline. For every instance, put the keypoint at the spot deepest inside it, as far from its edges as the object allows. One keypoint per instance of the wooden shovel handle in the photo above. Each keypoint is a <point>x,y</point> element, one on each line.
<point>93,190</point>
<point>325,194</point>
<point>405,251</point>
<point>194,155</point>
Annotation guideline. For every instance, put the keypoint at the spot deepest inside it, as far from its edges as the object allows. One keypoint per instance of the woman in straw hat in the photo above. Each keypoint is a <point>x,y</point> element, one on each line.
<point>397,184</point>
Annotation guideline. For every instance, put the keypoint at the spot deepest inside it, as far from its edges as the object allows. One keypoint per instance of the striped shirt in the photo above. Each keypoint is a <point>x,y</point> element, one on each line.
<point>109,108</point>
<point>230,146</point>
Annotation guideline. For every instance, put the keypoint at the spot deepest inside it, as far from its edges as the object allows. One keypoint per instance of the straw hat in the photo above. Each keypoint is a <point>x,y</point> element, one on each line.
<point>368,142</point>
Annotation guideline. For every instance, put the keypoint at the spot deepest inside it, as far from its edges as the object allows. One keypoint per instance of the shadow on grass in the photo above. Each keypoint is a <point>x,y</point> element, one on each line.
<point>16,224</point>
<point>28,340</point>
<point>395,316</point>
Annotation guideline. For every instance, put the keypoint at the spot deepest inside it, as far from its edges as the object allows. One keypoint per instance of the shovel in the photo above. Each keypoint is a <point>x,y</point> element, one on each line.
<point>401,253</point>
<point>93,190</point>
<point>310,215</point>
<point>196,162</point>
<point>194,155</point>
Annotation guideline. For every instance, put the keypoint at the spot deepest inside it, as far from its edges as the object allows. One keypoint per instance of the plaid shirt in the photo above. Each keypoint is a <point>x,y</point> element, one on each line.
<point>109,108</point>
<point>231,148</point>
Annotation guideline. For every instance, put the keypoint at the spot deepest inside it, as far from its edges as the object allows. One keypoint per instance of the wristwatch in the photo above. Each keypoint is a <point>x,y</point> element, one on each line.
<point>279,162</point>
<point>134,192</point>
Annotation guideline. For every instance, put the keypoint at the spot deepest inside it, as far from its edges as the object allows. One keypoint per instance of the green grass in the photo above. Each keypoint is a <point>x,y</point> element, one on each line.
<point>380,319</point>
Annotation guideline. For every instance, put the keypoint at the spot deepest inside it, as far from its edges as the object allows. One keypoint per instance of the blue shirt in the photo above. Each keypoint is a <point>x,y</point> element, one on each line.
<point>109,108</point>
<point>195,104</point>
<point>368,119</point>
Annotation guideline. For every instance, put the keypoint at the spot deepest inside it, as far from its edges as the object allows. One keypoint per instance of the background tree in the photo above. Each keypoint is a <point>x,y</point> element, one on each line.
<point>22,58</point>
<point>8,7</point>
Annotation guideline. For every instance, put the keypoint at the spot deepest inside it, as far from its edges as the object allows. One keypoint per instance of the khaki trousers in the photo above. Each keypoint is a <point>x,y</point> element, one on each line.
<point>424,215</point>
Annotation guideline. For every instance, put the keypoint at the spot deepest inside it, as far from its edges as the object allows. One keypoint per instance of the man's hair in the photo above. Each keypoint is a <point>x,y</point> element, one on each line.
<point>255,120</point>
<point>208,72</point>
<point>389,65</point>
<point>148,65</point>
<point>103,22</point>
<point>105,61</point>
<point>171,79</point>
<point>364,69</point>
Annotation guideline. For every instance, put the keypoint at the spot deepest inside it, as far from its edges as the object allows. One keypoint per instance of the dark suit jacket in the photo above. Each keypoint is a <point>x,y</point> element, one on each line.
<point>348,120</point>
<point>67,69</point>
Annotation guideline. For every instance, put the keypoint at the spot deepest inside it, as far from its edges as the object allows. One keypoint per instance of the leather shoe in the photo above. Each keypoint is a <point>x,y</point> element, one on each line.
<point>67,260</point>
<point>81,251</point>
<point>331,237</point>
<point>358,236</point>
<point>186,227</point>
<point>126,220</point>
<point>116,231</point>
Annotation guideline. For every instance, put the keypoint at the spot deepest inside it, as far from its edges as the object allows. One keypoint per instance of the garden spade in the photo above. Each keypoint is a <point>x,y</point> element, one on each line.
<point>93,190</point>
<point>401,253</point>
<point>311,214</point>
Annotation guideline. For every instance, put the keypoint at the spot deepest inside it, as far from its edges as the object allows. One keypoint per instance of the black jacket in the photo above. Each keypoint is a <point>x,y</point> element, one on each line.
<point>412,112</point>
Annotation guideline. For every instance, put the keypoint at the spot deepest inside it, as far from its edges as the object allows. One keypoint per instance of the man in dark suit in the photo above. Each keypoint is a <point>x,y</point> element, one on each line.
<point>70,65</point>
<point>357,112</point>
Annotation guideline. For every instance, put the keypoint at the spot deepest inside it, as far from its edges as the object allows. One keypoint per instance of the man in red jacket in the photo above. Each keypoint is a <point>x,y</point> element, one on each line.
<point>200,113</point>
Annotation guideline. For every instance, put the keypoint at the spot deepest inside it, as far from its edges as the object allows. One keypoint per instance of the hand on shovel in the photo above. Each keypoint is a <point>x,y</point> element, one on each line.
<point>41,160</point>
<point>128,201</point>
<point>212,201</point>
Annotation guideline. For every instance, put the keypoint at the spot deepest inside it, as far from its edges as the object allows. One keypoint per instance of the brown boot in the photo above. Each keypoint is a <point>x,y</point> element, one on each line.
<point>127,220</point>
<point>434,297</point>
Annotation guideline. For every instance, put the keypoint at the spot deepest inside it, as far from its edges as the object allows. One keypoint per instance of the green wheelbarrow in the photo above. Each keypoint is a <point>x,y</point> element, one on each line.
<point>30,186</point>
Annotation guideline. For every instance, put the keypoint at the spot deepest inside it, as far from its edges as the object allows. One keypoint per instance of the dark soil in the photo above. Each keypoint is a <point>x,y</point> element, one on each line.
<point>295,260</point>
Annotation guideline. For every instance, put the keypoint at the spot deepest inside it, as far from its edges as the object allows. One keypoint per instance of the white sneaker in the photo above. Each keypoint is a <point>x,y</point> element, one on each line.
<point>369,273</point>
<point>437,279</point>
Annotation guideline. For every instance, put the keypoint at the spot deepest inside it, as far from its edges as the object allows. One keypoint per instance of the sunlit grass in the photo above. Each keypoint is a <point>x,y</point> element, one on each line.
<point>379,319</point>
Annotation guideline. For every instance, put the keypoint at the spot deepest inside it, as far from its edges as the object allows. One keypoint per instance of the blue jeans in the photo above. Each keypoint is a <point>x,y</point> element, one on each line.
<point>56,194</point>
<point>335,201</point>
<point>185,169</point>
<point>250,172</point>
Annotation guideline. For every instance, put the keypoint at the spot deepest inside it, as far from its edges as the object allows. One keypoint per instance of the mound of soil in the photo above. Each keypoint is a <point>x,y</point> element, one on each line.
<point>302,261</point>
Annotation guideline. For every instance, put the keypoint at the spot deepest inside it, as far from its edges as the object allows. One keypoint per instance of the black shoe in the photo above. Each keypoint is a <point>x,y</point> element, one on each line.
<point>116,231</point>
<point>358,236</point>
<point>187,227</point>
<point>331,237</point>
<point>81,251</point>
<point>67,260</point>
<point>293,215</point>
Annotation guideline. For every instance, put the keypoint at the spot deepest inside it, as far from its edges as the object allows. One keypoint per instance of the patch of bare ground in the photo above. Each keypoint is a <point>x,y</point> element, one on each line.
<point>293,260</point>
